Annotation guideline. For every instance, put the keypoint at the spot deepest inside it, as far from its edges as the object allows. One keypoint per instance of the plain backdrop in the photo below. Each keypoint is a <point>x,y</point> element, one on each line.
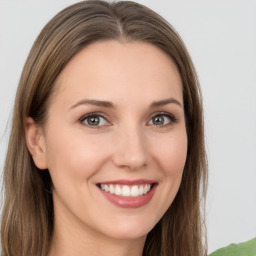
<point>221,38</point>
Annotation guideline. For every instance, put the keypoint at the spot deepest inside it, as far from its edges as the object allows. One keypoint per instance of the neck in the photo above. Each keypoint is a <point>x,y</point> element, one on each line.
<point>74,238</point>
<point>84,247</point>
<point>66,245</point>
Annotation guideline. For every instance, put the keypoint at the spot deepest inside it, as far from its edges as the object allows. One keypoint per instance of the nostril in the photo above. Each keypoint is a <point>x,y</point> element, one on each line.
<point>130,161</point>
<point>130,149</point>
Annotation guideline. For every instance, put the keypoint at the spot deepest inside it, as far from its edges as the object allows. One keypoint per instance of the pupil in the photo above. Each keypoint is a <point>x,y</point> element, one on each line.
<point>158,120</point>
<point>93,120</point>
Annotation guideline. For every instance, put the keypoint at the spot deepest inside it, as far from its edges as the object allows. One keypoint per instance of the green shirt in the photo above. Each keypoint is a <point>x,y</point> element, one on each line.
<point>244,249</point>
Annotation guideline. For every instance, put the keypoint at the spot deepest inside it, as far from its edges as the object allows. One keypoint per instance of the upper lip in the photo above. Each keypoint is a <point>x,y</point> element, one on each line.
<point>129,182</point>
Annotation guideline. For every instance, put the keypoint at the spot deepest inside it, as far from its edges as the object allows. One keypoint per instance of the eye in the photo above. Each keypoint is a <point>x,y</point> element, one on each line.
<point>162,120</point>
<point>94,120</point>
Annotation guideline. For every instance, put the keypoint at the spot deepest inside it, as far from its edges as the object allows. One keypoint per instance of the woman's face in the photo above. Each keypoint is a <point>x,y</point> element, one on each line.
<point>115,140</point>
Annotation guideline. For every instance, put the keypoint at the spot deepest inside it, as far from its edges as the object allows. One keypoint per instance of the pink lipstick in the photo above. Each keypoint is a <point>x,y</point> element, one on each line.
<point>128,194</point>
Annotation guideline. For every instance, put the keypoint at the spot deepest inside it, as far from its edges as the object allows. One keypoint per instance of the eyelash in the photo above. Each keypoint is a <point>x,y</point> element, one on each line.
<point>171,117</point>
<point>93,114</point>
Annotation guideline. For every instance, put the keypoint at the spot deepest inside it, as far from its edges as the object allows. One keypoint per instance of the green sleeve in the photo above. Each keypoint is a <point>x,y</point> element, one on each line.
<point>244,249</point>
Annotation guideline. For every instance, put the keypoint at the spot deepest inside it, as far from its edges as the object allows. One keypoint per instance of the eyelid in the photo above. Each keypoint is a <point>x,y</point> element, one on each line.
<point>169,115</point>
<point>99,114</point>
<point>172,117</point>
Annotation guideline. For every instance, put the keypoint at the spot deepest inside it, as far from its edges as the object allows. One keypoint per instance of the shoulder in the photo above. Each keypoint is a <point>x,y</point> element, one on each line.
<point>243,249</point>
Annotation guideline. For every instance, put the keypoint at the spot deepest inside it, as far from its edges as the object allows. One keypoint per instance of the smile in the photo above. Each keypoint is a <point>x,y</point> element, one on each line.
<point>128,194</point>
<point>125,190</point>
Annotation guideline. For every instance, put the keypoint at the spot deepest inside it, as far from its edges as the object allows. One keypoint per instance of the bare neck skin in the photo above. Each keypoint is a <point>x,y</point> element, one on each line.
<point>82,246</point>
<point>79,240</point>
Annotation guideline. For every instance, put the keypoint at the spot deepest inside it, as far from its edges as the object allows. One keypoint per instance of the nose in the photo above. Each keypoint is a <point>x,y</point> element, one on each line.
<point>130,150</point>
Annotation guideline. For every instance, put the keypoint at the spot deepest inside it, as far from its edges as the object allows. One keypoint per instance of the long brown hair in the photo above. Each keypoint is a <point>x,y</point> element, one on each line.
<point>28,214</point>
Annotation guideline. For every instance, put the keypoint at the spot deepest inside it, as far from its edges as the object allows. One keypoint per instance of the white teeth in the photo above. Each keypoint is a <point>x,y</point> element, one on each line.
<point>141,191</point>
<point>118,191</point>
<point>134,191</point>
<point>126,191</point>
<point>145,190</point>
<point>111,189</point>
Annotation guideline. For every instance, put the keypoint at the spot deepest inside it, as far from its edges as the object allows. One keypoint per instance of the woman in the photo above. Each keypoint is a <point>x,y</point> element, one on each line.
<point>106,154</point>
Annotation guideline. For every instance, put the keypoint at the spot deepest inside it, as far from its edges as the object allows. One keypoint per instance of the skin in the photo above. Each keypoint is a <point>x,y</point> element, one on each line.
<point>126,144</point>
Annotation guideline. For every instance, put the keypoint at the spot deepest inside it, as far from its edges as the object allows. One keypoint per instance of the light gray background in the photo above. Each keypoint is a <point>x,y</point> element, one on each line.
<point>221,37</point>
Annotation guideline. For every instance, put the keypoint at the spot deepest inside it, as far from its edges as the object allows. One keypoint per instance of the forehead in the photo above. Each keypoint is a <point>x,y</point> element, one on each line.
<point>129,69</point>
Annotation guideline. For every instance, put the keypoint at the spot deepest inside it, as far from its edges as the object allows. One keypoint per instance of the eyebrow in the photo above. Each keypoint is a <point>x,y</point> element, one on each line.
<point>99,103</point>
<point>165,102</point>
<point>107,104</point>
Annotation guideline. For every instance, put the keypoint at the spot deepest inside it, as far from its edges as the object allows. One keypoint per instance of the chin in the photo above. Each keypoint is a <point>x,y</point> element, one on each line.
<point>131,231</point>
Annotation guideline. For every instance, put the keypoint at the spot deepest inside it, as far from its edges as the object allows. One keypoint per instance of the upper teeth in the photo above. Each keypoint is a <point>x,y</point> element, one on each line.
<point>124,190</point>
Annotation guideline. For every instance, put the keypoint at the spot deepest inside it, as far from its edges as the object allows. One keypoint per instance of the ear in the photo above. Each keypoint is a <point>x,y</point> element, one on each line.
<point>35,141</point>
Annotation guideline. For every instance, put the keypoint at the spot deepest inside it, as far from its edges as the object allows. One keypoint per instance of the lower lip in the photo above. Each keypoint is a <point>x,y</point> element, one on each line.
<point>130,202</point>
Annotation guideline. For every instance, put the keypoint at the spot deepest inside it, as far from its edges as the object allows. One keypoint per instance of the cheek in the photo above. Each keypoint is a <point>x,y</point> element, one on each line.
<point>172,154</point>
<point>73,155</point>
